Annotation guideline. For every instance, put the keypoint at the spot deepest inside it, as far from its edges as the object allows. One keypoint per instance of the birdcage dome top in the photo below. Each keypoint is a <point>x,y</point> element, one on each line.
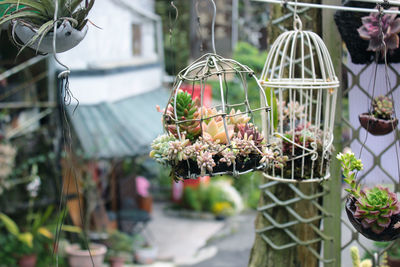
<point>212,64</point>
<point>299,59</point>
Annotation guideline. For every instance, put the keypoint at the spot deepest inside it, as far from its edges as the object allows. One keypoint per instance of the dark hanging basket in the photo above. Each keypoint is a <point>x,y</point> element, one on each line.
<point>377,126</point>
<point>189,168</point>
<point>348,23</point>
<point>389,234</point>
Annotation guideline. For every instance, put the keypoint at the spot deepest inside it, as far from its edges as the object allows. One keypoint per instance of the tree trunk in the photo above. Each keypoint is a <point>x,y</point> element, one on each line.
<point>263,255</point>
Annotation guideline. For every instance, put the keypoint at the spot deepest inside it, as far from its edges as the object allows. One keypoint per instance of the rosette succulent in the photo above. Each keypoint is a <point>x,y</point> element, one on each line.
<point>382,107</point>
<point>215,131</point>
<point>375,206</point>
<point>160,147</point>
<point>370,30</point>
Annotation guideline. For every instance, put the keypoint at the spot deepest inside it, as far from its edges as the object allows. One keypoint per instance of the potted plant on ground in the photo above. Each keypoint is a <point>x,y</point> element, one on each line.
<point>32,22</point>
<point>199,143</point>
<point>374,212</point>
<point>24,246</point>
<point>380,120</point>
<point>145,253</point>
<point>120,248</point>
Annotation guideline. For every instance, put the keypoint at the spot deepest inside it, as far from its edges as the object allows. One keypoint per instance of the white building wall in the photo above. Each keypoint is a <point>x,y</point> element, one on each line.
<point>111,47</point>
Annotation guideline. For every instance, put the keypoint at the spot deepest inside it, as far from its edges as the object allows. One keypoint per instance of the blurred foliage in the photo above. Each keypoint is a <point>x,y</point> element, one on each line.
<point>247,185</point>
<point>176,34</point>
<point>393,252</point>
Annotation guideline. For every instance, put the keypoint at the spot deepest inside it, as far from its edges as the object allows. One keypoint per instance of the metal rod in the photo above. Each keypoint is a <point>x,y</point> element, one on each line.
<point>213,26</point>
<point>353,9</point>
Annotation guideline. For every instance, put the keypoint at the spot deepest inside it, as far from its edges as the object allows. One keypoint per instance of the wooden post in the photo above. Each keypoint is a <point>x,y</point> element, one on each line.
<point>262,255</point>
<point>332,202</point>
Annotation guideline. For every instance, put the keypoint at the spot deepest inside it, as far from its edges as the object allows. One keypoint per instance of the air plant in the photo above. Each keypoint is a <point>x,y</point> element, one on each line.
<point>39,14</point>
<point>373,32</point>
<point>382,107</point>
<point>374,206</point>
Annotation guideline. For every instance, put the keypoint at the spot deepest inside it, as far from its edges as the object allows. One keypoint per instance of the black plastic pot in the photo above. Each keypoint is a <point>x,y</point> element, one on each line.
<point>377,126</point>
<point>348,23</point>
<point>389,234</point>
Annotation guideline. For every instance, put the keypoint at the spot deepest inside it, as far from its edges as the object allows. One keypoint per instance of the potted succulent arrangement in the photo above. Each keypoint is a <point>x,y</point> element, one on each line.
<point>201,144</point>
<point>374,212</point>
<point>120,248</point>
<point>32,23</point>
<point>380,120</point>
<point>362,36</point>
<point>301,145</point>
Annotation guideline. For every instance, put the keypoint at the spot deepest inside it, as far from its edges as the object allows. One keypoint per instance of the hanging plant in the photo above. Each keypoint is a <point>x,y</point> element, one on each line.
<point>362,35</point>
<point>199,141</point>
<point>380,120</point>
<point>374,212</point>
<point>32,23</point>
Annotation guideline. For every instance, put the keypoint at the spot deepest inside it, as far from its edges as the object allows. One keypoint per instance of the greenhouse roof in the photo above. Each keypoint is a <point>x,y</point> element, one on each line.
<point>124,128</point>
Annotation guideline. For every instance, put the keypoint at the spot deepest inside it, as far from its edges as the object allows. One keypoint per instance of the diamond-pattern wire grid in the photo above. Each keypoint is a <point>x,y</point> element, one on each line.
<point>355,136</point>
<point>294,219</point>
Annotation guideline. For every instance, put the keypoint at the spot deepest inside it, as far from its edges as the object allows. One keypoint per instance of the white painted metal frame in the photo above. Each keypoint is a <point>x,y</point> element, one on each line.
<point>353,9</point>
<point>299,69</point>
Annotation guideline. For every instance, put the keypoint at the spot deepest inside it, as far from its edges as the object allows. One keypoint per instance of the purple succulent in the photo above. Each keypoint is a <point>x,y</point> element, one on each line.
<point>370,31</point>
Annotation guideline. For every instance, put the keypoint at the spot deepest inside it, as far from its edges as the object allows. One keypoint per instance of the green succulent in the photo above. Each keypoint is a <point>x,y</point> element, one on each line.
<point>375,206</point>
<point>160,147</point>
<point>187,116</point>
<point>382,107</point>
<point>40,14</point>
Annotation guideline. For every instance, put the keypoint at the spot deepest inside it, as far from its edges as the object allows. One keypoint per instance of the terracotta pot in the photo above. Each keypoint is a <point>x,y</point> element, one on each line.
<point>78,257</point>
<point>377,126</point>
<point>146,203</point>
<point>67,37</point>
<point>117,262</point>
<point>392,262</point>
<point>27,261</point>
<point>389,234</point>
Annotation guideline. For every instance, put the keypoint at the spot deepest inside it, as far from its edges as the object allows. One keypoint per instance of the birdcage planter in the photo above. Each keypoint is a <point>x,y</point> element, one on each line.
<point>347,24</point>
<point>216,140</point>
<point>67,37</point>
<point>391,232</point>
<point>301,88</point>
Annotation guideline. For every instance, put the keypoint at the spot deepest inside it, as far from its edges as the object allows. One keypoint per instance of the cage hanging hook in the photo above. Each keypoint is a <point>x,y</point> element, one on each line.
<point>297,24</point>
<point>213,26</point>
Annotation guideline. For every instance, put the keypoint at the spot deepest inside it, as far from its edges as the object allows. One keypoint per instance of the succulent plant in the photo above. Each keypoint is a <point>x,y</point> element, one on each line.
<point>249,132</point>
<point>238,117</point>
<point>382,107</point>
<point>176,149</point>
<point>303,136</point>
<point>244,147</point>
<point>205,162</point>
<point>370,30</point>
<point>291,109</point>
<point>355,257</point>
<point>187,116</point>
<point>228,156</point>
<point>215,131</point>
<point>160,147</point>
<point>375,206</point>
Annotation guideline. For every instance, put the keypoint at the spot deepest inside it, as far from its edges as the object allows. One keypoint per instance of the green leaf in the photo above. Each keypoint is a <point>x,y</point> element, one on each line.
<point>10,225</point>
<point>271,98</point>
<point>36,5</point>
<point>21,15</point>
<point>26,238</point>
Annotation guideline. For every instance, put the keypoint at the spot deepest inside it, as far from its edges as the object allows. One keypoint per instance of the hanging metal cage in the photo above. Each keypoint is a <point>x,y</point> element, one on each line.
<point>220,136</point>
<point>300,80</point>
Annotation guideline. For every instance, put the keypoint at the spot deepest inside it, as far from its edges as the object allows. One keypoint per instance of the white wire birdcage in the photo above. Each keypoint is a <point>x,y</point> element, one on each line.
<point>212,69</point>
<point>300,80</point>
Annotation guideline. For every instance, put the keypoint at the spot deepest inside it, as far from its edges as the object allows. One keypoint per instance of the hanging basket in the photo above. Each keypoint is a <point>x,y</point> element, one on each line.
<point>67,37</point>
<point>377,126</point>
<point>347,24</point>
<point>300,81</point>
<point>389,234</point>
<point>219,139</point>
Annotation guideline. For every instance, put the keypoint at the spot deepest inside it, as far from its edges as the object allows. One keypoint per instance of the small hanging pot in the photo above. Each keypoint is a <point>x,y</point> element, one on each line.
<point>390,233</point>
<point>67,37</point>
<point>377,126</point>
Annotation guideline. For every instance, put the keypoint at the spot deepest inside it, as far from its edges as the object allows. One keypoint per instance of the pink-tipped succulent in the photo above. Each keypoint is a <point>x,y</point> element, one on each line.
<point>382,107</point>
<point>205,162</point>
<point>375,207</point>
<point>249,132</point>
<point>370,30</point>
